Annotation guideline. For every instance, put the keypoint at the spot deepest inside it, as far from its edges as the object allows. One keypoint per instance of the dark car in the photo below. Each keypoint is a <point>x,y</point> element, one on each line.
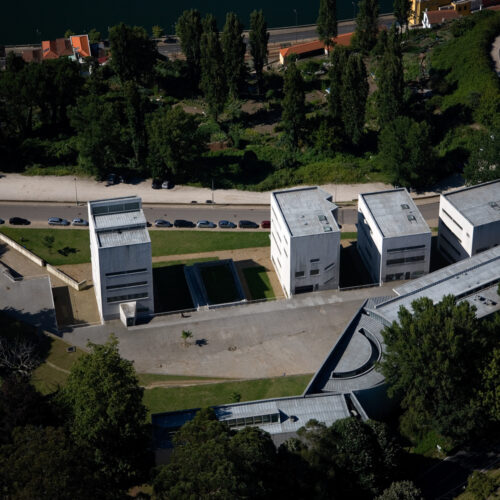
<point>18,221</point>
<point>1,221</point>
<point>248,224</point>
<point>156,184</point>
<point>225,224</point>
<point>265,224</point>
<point>162,223</point>
<point>57,221</point>
<point>183,223</point>
<point>112,179</point>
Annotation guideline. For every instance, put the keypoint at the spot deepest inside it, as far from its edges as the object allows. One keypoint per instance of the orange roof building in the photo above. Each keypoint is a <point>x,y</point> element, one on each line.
<point>311,48</point>
<point>32,55</point>
<point>52,49</point>
<point>435,17</point>
<point>81,45</point>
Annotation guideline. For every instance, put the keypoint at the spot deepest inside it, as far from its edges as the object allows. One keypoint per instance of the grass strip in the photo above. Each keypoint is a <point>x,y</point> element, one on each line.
<point>258,283</point>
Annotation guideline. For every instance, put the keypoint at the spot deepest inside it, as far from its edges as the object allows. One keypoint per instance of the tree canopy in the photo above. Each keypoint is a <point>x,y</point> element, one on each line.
<point>484,162</point>
<point>293,105</point>
<point>188,28</point>
<point>106,414</point>
<point>366,32</point>
<point>258,38</point>
<point>234,48</point>
<point>327,21</point>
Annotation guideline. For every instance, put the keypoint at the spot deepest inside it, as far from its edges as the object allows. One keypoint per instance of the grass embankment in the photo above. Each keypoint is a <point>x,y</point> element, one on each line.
<point>180,398</point>
<point>258,283</point>
<point>71,246</point>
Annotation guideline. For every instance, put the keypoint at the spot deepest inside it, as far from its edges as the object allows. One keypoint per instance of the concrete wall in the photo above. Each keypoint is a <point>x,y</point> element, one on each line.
<point>65,278</point>
<point>369,241</point>
<point>22,250</point>
<point>280,247</point>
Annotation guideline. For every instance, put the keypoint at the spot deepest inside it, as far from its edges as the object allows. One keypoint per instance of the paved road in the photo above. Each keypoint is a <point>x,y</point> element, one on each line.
<point>39,213</point>
<point>287,35</point>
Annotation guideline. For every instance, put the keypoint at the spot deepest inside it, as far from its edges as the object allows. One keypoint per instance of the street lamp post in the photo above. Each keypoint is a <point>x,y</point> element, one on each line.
<point>76,194</point>
<point>296,24</point>
<point>353,10</point>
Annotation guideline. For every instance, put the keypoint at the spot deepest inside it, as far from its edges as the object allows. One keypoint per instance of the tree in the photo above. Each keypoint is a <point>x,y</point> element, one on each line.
<point>188,28</point>
<point>186,335</point>
<point>354,95</point>
<point>406,152</point>
<point>390,80</point>
<point>157,31</point>
<point>94,36</point>
<point>490,384</point>
<point>338,64</point>
<point>402,10</point>
<point>69,33</point>
<point>401,490</point>
<point>433,365</point>
<point>258,38</point>
<point>213,78</point>
<point>45,463</point>
<point>233,47</point>
<point>135,111</point>
<point>174,142</point>
<point>211,461</point>
<point>20,353</point>
<point>107,415</point>
<point>352,458</point>
<point>100,141</point>
<point>293,105</point>
<point>327,21</point>
<point>48,241</point>
<point>480,485</point>
<point>133,54</point>
<point>484,162</point>
<point>365,34</point>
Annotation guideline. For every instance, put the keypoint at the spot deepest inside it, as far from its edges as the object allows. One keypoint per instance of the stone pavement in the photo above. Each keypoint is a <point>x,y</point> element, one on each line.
<point>246,341</point>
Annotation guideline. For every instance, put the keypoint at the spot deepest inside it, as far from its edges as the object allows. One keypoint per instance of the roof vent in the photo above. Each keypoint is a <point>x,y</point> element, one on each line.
<point>327,229</point>
<point>404,206</point>
<point>412,218</point>
<point>494,204</point>
<point>322,219</point>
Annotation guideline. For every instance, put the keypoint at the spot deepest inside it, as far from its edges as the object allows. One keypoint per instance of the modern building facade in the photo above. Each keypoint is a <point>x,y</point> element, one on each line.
<point>348,382</point>
<point>120,249</point>
<point>305,240</point>
<point>469,221</point>
<point>394,241</point>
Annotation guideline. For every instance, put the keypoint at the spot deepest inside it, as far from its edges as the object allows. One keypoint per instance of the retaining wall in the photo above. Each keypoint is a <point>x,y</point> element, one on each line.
<point>67,279</point>
<point>21,249</point>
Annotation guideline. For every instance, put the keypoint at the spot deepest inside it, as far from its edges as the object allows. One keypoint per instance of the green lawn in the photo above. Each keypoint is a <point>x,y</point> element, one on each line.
<point>258,283</point>
<point>181,242</point>
<point>180,398</point>
<point>150,378</point>
<point>219,284</point>
<point>71,246</point>
<point>348,236</point>
<point>46,378</point>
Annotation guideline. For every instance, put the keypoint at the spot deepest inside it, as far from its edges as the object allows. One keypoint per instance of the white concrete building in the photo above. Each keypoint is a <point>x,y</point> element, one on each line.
<point>469,221</point>
<point>120,249</point>
<point>394,240</point>
<point>305,240</point>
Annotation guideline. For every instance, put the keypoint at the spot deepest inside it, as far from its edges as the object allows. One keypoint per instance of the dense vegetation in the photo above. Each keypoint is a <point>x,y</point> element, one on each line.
<point>213,117</point>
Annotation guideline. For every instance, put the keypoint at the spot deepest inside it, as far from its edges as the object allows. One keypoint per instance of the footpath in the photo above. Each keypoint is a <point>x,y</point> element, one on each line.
<point>69,189</point>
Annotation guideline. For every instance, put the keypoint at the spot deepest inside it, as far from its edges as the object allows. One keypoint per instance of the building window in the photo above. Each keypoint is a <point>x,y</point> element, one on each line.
<point>314,260</point>
<point>121,273</point>
<point>402,260</point>
<point>254,420</point>
<point>452,219</point>
<point>123,298</point>
<point>405,249</point>
<point>299,274</point>
<point>329,266</point>
<point>126,285</point>
<point>314,272</point>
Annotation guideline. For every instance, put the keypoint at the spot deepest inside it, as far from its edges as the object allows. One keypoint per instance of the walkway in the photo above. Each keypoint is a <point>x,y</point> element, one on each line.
<point>495,54</point>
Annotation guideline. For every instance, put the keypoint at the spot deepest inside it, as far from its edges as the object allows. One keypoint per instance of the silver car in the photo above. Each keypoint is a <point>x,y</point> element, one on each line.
<point>79,222</point>
<point>205,223</point>
<point>57,221</point>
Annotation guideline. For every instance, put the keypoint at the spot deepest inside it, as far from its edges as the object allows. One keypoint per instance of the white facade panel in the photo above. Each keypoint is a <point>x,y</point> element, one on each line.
<point>305,240</point>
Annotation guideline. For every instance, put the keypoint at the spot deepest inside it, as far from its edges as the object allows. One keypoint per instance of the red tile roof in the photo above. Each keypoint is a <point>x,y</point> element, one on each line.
<point>440,16</point>
<point>81,45</point>
<point>304,48</point>
<point>32,55</point>
<point>52,49</point>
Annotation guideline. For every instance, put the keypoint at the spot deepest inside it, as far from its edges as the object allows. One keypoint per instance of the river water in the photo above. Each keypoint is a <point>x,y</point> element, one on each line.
<point>35,20</point>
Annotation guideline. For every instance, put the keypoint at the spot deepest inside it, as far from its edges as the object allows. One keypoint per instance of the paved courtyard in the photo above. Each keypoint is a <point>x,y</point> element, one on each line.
<point>247,341</point>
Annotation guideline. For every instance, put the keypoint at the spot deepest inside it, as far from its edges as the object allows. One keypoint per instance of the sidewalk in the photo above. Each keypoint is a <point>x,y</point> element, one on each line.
<point>68,189</point>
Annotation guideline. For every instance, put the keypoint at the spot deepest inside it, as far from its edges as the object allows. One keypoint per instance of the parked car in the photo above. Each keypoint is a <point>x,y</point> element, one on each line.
<point>168,184</point>
<point>79,222</point>
<point>19,221</point>
<point>57,221</point>
<point>265,224</point>
<point>156,184</point>
<point>112,179</point>
<point>225,224</point>
<point>248,224</point>
<point>1,221</point>
<point>183,223</point>
<point>162,223</point>
<point>205,223</point>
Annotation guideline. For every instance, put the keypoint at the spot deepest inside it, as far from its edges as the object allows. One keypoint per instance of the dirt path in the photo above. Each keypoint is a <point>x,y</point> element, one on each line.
<point>52,365</point>
<point>186,383</point>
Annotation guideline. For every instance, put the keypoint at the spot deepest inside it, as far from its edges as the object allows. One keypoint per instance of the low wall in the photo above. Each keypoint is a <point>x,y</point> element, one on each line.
<point>67,279</point>
<point>21,249</point>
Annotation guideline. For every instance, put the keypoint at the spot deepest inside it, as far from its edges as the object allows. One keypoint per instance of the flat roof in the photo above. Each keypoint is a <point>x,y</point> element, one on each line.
<point>307,211</point>
<point>395,213</point>
<point>468,279</point>
<point>478,204</point>
<point>119,221</point>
